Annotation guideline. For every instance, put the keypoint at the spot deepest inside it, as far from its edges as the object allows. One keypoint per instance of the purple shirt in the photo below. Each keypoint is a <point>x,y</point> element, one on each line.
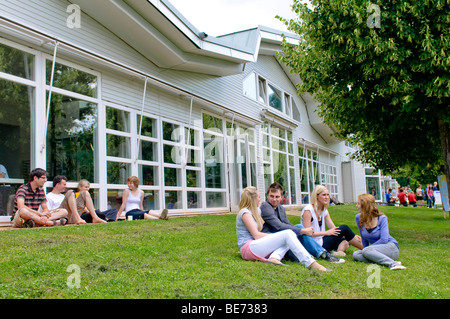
<point>377,235</point>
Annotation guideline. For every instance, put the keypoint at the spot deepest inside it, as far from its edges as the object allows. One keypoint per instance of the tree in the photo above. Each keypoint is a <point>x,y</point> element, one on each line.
<point>381,73</point>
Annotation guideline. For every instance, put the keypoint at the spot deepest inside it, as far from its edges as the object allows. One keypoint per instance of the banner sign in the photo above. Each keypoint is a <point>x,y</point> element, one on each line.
<point>442,180</point>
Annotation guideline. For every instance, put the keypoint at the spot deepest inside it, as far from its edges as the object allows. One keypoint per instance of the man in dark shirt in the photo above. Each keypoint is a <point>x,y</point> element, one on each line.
<point>27,201</point>
<point>275,220</point>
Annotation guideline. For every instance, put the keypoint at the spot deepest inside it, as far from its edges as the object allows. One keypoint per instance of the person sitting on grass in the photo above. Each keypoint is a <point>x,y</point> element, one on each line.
<point>402,197</point>
<point>316,215</point>
<point>275,220</point>
<point>30,197</point>
<point>74,205</point>
<point>108,215</point>
<point>412,199</point>
<point>133,203</point>
<point>270,248</point>
<point>379,247</point>
<point>390,199</point>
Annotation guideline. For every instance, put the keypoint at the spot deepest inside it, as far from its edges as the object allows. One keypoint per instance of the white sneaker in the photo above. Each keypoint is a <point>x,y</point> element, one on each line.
<point>398,265</point>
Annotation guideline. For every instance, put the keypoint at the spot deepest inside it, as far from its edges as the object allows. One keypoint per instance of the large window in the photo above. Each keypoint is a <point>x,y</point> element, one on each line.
<point>173,161</point>
<point>313,172</point>
<point>328,177</point>
<point>132,148</point>
<point>259,89</point>
<point>373,183</point>
<point>118,145</point>
<point>192,154</point>
<point>214,161</point>
<point>72,126</point>
<point>278,160</point>
<point>309,172</point>
<point>71,138</point>
<point>17,109</point>
<point>167,156</point>
<point>148,157</point>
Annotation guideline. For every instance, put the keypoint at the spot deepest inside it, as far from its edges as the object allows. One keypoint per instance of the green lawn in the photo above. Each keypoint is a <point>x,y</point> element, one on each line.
<point>197,257</point>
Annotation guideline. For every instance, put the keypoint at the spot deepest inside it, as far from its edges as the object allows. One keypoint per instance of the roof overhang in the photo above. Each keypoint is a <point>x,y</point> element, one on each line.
<point>161,34</point>
<point>158,31</point>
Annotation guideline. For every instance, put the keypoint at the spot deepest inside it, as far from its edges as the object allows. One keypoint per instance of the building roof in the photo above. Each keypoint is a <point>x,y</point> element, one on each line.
<point>157,30</point>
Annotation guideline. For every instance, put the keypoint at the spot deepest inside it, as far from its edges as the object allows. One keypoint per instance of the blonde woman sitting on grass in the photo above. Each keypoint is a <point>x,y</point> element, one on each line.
<point>256,245</point>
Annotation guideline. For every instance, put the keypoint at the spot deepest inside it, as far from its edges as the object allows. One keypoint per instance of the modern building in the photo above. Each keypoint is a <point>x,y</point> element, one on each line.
<point>104,89</point>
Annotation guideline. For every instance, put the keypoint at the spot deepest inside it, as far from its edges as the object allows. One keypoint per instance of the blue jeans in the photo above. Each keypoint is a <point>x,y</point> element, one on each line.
<point>430,202</point>
<point>310,245</point>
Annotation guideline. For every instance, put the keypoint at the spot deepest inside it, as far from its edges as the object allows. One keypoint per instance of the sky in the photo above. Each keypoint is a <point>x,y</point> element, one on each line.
<point>218,17</point>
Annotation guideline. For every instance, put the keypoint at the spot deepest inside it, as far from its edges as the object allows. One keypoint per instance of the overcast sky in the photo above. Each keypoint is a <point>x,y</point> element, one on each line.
<point>218,17</point>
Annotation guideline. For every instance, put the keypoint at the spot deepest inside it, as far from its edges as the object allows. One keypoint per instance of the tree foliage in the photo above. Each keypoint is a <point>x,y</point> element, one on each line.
<point>385,85</point>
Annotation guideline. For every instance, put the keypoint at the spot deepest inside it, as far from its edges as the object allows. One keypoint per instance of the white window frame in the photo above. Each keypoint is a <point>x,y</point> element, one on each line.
<point>269,148</point>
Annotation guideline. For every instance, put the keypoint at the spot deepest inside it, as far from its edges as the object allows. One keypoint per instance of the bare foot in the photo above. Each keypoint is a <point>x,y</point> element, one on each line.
<point>98,221</point>
<point>317,266</point>
<point>275,261</point>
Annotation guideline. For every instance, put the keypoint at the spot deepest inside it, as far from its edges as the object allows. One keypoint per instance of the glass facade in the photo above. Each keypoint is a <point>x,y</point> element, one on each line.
<point>180,167</point>
<point>17,121</point>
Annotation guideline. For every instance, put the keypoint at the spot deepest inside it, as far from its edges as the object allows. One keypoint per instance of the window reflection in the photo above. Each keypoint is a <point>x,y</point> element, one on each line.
<point>17,102</point>
<point>71,138</point>
<point>16,62</point>
<point>71,79</point>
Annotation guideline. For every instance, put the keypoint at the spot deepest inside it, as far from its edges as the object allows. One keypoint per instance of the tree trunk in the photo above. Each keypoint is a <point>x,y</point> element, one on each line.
<point>444,131</point>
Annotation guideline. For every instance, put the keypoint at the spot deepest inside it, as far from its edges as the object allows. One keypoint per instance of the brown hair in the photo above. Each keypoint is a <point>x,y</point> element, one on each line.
<point>368,209</point>
<point>134,180</point>
<point>275,186</point>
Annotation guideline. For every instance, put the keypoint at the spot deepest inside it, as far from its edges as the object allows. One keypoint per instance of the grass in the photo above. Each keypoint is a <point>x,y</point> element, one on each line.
<point>197,258</point>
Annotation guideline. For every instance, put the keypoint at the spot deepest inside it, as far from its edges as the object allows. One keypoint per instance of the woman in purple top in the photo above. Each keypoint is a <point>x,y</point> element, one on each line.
<point>379,247</point>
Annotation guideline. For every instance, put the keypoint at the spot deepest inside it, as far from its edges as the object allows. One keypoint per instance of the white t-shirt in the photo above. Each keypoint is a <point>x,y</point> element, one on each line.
<point>54,200</point>
<point>315,222</point>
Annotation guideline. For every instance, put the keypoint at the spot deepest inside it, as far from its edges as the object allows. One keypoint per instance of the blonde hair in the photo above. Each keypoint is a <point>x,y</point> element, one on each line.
<point>248,200</point>
<point>134,180</point>
<point>368,209</point>
<point>82,182</point>
<point>317,190</point>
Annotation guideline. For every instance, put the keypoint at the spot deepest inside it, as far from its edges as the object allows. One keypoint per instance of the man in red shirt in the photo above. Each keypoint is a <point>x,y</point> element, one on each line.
<point>412,199</point>
<point>28,198</point>
<point>402,197</point>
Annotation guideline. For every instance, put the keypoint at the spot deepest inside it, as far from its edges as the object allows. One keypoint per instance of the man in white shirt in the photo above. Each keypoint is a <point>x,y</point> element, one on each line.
<point>57,200</point>
<point>74,205</point>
